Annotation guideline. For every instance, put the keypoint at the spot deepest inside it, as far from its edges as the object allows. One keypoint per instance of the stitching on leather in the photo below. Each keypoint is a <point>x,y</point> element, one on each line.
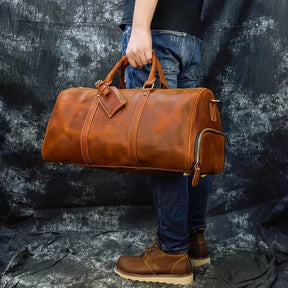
<point>85,131</point>
<point>119,96</point>
<point>177,262</point>
<point>132,148</point>
<point>138,122</point>
<point>147,265</point>
<point>103,106</point>
<point>115,90</point>
<point>82,138</point>
<point>192,117</point>
<point>169,171</point>
<point>118,93</point>
<point>130,132</point>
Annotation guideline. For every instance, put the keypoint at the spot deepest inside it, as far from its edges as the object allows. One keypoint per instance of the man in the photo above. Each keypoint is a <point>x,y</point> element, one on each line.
<point>173,29</point>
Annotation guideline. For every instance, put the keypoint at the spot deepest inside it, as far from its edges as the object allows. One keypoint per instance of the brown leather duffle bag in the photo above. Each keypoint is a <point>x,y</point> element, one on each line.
<point>146,130</point>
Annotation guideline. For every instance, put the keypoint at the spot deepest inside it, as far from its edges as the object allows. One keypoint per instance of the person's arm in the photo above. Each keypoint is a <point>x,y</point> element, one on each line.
<point>139,49</point>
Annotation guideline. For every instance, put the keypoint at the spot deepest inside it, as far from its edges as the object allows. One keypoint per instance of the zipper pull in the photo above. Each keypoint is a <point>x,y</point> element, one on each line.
<point>196,175</point>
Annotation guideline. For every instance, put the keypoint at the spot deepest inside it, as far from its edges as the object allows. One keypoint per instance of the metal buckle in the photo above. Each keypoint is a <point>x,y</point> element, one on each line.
<point>144,87</point>
<point>215,100</point>
<point>97,82</point>
<point>185,174</point>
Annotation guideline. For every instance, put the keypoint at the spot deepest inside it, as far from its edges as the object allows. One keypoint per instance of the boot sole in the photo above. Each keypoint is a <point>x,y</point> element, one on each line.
<point>180,280</point>
<point>199,262</point>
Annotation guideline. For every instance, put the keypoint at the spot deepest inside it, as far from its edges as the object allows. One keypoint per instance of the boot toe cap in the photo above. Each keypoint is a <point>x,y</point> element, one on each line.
<point>132,265</point>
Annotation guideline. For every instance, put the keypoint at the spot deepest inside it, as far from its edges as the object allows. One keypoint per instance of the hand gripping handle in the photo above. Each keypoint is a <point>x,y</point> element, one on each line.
<point>123,63</point>
<point>163,83</point>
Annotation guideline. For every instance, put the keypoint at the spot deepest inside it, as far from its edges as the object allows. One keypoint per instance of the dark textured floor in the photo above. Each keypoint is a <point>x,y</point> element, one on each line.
<point>79,248</point>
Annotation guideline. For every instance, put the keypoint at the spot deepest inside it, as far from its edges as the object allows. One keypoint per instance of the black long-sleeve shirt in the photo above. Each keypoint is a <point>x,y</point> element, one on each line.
<point>175,15</point>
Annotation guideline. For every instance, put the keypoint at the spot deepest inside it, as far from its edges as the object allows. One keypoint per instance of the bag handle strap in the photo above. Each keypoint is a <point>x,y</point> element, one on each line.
<point>163,83</point>
<point>103,86</point>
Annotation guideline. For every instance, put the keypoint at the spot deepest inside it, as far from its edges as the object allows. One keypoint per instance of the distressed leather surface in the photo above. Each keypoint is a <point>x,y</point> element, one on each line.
<point>147,130</point>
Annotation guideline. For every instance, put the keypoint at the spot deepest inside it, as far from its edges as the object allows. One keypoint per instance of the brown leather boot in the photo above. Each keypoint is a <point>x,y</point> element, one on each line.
<point>156,266</point>
<point>198,251</point>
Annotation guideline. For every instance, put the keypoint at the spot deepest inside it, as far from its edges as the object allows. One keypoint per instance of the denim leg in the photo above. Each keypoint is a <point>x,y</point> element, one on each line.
<point>171,203</point>
<point>198,197</point>
<point>189,78</point>
<point>179,207</point>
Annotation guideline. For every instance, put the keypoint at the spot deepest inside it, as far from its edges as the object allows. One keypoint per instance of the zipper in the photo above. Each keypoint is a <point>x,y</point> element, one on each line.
<point>197,148</point>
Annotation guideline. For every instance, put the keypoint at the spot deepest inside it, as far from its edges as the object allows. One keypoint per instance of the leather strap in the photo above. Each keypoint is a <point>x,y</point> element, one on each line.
<point>122,74</point>
<point>132,149</point>
<point>123,63</point>
<point>163,83</point>
<point>85,131</point>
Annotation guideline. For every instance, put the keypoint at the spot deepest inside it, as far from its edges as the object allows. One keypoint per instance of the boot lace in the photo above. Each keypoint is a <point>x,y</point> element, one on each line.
<point>151,248</point>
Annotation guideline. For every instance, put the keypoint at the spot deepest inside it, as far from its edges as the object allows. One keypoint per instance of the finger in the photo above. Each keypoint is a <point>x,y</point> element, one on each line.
<point>143,59</point>
<point>131,58</point>
<point>140,59</point>
<point>132,62</point>
<point>148,56</point>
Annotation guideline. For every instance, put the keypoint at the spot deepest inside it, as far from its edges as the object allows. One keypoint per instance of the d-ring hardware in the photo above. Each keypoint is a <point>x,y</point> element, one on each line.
<point>97,82</point>
<point>152,86</point>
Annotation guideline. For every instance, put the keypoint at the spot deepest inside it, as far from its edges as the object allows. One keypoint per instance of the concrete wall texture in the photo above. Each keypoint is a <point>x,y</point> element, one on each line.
<point>47,46</point>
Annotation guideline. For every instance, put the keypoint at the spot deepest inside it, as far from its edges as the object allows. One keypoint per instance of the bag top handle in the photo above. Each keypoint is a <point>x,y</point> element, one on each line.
<point>123,63</point>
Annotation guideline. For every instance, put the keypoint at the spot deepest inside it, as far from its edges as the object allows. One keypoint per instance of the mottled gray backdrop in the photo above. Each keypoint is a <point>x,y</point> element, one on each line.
<point>65,226</point>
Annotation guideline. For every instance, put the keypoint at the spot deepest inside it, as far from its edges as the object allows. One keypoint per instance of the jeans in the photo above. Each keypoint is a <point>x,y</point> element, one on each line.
<point>179,207</point>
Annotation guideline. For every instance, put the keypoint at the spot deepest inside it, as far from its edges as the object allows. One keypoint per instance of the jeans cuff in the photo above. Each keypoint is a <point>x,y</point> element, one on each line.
<point>178,250</point>
<point>195,228</point>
